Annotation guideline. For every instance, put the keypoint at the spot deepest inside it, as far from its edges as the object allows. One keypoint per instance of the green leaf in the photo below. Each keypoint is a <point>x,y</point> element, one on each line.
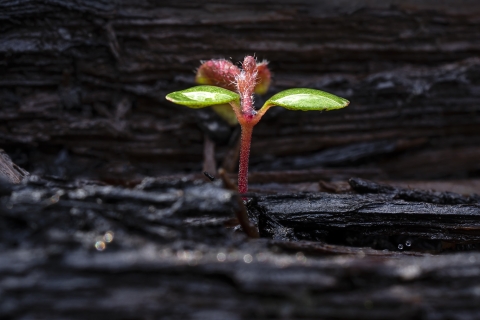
<point>307,99</point>
<point>202,96</point>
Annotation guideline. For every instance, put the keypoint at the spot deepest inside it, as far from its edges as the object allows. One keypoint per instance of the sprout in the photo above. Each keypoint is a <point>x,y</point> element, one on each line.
<point>227,84</point>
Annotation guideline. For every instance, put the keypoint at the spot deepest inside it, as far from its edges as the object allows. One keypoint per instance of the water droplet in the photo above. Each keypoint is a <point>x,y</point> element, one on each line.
<point>400,246</point>
<point>300,257</point>
<point>75,211</point>
<point>408,243</point>
<point>247,258</point>
<point>221,257</point>
<point>100,245</point>
<point>108,237</point>
<point>54,199</point>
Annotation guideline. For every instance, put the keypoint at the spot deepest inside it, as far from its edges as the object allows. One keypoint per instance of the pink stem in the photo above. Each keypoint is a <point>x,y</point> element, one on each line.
<point>246,139</point>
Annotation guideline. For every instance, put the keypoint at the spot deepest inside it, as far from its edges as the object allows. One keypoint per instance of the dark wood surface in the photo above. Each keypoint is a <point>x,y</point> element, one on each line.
<point>175,255</point>
<point>380,217</point>
<point>82,109</point>
<point>83,85</point>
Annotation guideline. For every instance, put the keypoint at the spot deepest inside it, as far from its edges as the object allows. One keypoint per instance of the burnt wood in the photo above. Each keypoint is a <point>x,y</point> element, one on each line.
<point>90,234</point>
<point>376,220</point>
<point>365,187</point>
<point>83,85</point>
<point>82,249</point>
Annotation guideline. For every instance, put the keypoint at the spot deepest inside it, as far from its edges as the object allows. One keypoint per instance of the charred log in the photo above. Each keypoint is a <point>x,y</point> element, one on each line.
<point>83,85</point>
<point>78,249</point>
<point>375,220</point>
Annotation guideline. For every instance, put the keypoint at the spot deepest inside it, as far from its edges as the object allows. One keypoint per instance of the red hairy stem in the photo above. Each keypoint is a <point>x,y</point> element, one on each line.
<point>251,77</point>
<point>246,139</point>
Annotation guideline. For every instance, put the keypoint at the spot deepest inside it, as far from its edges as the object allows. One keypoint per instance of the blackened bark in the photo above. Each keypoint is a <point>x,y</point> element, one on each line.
<point>378,221</point>
<point>76,250</point>
<point>429,196</point>
<point>82,95</point>
<point>83,85</point>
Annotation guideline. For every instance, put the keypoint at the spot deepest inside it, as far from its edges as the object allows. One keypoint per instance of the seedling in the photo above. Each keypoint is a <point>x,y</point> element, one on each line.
<point>242,84</point>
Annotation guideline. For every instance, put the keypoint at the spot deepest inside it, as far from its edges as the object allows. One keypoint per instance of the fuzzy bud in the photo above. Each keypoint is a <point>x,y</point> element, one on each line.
<point>249,64</point>
<point>220,73</point>
<point>246,81</point>
<point>263,78</point>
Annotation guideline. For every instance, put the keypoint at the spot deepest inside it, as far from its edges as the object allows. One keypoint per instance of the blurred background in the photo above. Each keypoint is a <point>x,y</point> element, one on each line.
<point>82,87</point>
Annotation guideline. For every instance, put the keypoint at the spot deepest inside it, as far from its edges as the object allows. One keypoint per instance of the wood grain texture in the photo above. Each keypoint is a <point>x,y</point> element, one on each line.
<point>82,87</point>
<point>171,257</point>
<point>83,84</point>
